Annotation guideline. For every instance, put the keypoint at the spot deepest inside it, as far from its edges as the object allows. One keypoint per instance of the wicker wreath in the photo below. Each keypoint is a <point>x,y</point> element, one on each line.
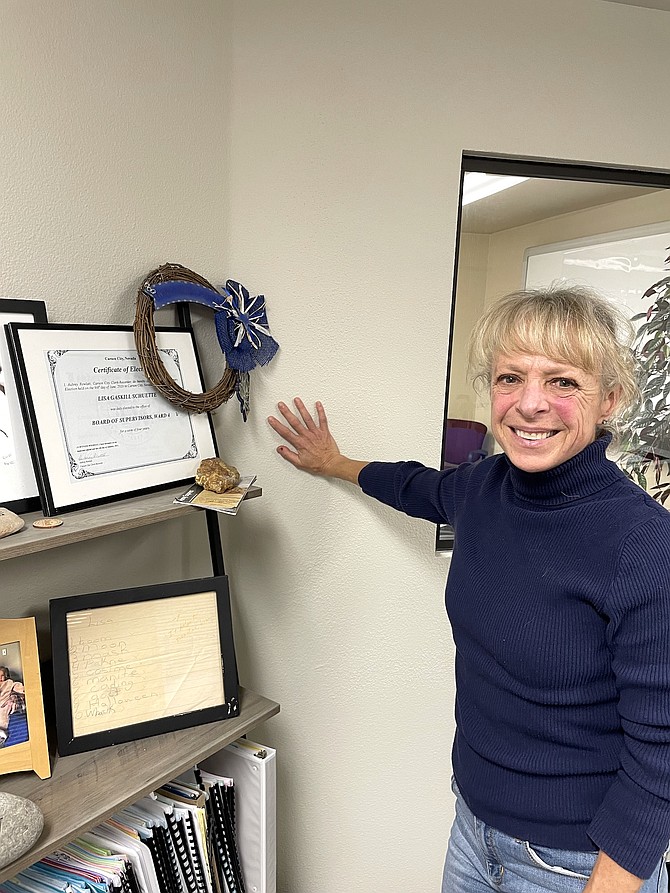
<point>152,365</point>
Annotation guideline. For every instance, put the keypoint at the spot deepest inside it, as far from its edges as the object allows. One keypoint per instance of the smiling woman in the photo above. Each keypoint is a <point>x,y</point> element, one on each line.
<point>543,414</point>
<point>558,367</point>
<point>557,590</point>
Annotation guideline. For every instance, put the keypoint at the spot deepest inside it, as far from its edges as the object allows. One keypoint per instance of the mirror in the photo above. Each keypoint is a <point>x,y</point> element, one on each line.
<point>608,229</point>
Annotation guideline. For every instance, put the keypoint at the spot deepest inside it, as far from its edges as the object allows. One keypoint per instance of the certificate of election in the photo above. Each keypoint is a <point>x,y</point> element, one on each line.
<point>111,418</point>
<point>98,428</point>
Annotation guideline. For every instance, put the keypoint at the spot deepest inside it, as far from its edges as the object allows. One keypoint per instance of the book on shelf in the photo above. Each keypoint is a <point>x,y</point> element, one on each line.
<point>227,503</point>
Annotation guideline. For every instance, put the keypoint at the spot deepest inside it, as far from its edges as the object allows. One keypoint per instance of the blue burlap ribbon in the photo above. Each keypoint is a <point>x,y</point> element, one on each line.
<point>241,324</point>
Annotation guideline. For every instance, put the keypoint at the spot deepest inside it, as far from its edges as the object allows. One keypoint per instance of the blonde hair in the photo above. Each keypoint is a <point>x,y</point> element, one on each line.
<point>572,324</point>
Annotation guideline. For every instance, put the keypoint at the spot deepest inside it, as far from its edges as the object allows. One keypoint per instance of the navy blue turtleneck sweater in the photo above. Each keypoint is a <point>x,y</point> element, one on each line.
<point>559,599</point>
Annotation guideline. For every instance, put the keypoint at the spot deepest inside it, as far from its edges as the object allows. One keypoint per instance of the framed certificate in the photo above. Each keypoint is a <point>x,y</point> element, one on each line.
<point>97,428</point>
<point>139,662</point>
<point>18,487</point>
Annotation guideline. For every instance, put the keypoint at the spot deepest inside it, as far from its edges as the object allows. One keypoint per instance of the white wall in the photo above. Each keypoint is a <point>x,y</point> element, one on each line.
<point>311,150</point>
<point>112,150</point>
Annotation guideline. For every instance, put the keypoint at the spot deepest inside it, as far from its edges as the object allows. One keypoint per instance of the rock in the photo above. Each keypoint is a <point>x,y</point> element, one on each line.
<point>9,522</point>
<point>21,823</point>
<point>215,475</point>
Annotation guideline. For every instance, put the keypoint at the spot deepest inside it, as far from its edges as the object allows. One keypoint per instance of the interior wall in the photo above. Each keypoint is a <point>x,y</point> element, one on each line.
<point>473,265</point>
<point>347,124</point>
<point>113,161</point>
<point>312,151</point>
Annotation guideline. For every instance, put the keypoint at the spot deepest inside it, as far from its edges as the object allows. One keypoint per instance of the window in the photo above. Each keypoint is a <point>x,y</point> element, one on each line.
<point>542,214</point>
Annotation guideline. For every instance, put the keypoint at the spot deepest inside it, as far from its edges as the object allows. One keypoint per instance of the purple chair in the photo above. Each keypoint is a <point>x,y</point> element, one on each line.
<point>463,441</point>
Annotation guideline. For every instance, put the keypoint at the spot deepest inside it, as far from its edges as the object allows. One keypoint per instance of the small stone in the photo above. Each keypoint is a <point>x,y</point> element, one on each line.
<point>9,522</point>
<point>215,475</point>
<point>21,823</point>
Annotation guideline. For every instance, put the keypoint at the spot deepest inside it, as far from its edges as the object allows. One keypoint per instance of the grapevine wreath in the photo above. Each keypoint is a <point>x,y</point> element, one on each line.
<point>241,327</point>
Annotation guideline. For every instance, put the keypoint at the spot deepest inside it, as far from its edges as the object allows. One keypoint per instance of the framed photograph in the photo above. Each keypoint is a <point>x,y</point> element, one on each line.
<point>133,663</point>
<point>97,428</point>
<point>18,487</point>
<point>23,739</point>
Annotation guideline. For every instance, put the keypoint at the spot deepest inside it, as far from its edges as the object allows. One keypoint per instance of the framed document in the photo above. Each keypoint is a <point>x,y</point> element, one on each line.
<point>140,662</point>
<point>18,487</point>
<point>23,738</point>
<point>97,428</point>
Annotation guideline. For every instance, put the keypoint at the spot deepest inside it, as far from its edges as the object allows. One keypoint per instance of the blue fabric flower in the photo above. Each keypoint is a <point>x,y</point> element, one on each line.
<point>241,321</point>
<point>241,324</point>
<point>242,329</point>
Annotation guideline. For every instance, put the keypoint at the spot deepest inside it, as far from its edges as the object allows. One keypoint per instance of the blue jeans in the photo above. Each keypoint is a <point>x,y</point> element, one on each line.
<point>481,859</point>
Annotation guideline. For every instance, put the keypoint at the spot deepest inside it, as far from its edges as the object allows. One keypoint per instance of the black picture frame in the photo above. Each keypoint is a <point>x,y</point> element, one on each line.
<point>109,665</point>
<point>63,458</point>
<point>18,487</point>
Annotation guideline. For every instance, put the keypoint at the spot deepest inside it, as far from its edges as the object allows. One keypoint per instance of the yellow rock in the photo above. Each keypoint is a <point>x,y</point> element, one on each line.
<point>215,475</point>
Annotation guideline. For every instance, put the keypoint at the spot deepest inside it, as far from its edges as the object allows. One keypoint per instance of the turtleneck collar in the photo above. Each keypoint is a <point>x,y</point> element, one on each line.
<point>582,475</point>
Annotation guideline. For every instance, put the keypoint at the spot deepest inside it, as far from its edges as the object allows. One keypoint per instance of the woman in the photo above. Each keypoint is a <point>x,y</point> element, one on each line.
<point>12,698</point>
<point>559,599</point>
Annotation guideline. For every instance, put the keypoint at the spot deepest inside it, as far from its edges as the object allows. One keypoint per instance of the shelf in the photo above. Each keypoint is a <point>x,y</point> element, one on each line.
<point>89,523</point>
<point>87,788</point>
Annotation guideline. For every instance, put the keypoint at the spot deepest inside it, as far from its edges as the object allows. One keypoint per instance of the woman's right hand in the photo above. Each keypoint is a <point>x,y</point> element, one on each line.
<point>314,447</point>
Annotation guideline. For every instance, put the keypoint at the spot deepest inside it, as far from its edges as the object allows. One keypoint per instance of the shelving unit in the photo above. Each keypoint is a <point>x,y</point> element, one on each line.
<point>101,520</point>
<point>87,788</point>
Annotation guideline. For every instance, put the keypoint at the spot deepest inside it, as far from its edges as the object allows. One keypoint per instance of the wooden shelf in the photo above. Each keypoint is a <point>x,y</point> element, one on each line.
<point>101,520</point>
<point>87,788</point>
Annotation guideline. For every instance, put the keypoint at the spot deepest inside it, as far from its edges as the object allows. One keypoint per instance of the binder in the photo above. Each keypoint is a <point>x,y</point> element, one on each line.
<point>223,842</point>
<point>187,804</point>
<point>136,850</point>
<point>253,768</point>
<point>196,850</point>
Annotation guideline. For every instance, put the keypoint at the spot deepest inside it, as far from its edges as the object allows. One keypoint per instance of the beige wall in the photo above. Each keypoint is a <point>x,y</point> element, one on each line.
<point>112,150</point>
<point>473,256</point>
<point>311,150</point>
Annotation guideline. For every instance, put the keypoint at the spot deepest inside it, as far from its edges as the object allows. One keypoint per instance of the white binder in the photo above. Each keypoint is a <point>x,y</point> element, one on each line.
<point>253,770</point>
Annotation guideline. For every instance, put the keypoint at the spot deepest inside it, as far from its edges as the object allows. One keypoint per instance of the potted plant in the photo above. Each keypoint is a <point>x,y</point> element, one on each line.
<point>645,434</point>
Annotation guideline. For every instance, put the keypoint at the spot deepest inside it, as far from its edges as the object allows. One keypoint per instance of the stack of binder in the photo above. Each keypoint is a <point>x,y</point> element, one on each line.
<point>180,839</point>
<point>253,766</point>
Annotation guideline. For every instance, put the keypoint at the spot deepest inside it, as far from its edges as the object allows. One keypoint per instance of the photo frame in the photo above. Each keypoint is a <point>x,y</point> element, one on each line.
<point>18,486</point>
<point>23,738</point>
<point>97,428</point>
<point>133,663</point>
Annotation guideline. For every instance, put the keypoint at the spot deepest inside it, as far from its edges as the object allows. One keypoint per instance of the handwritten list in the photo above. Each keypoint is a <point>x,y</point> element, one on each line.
<point>143,661</point>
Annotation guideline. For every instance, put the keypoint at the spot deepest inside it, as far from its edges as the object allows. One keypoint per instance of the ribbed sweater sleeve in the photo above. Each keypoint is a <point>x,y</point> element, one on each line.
<point>632,824</point>
<point>411,488</point>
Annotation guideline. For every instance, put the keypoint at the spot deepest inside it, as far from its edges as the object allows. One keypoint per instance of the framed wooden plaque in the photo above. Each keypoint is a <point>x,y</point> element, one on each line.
<point>23,739</point>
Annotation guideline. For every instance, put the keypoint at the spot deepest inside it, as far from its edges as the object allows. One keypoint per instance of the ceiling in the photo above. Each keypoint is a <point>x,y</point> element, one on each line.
<point>536,199</point>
